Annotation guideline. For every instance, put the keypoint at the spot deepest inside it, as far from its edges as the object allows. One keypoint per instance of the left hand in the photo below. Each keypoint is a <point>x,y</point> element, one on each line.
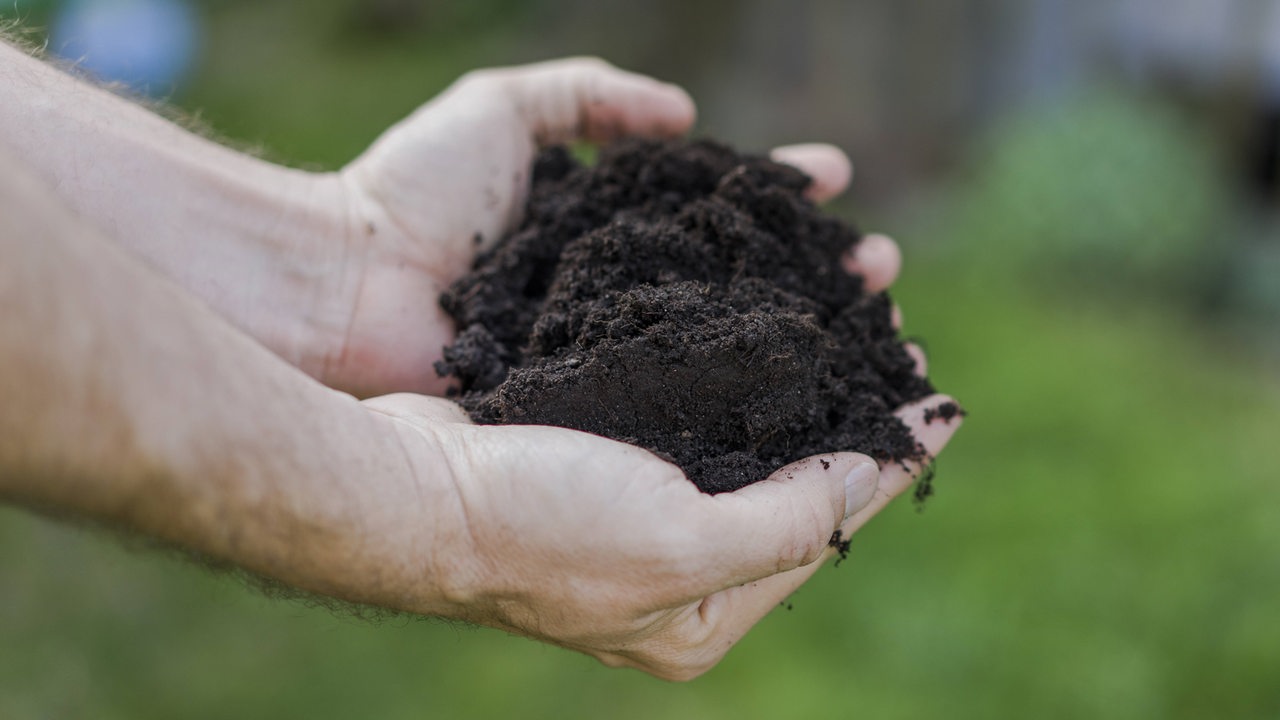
<point>452,179</point>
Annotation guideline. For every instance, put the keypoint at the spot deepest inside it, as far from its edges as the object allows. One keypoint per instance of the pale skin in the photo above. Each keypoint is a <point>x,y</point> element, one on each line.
<point>174,311</point>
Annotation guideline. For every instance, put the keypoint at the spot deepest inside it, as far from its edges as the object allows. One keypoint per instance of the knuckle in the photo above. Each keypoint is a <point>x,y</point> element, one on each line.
<point>588,63</point>
<point>482,78</point>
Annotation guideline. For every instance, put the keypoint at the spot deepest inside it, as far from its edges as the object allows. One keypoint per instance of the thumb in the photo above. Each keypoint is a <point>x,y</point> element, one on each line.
<point>786,521</point>
<point>590,99</point>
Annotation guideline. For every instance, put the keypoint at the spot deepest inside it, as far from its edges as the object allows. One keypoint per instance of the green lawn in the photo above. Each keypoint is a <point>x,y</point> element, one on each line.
<point>1102,543</point>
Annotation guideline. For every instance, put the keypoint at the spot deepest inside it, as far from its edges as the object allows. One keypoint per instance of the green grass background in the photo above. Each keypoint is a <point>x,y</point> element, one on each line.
<point>1103,543</point>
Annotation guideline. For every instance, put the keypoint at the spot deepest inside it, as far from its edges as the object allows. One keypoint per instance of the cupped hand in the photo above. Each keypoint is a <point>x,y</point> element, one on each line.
<point>604,548</point>
<point>452,178</point>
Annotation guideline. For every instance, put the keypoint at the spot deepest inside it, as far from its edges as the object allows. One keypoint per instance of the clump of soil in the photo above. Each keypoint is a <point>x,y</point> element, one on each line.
<point>689,300</point>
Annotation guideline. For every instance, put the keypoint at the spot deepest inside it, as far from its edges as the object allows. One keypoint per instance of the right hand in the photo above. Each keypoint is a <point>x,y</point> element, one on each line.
<point>601,547</point>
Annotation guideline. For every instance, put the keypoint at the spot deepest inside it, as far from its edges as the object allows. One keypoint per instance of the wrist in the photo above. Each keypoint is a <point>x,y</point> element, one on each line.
<point>267,247</point>
<point>356,515</point>
<point>425,531</point>
<point>319,256</point>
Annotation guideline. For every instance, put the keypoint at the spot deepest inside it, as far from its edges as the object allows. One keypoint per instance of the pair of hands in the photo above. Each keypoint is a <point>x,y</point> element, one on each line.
<point>559,535</point>
<point>575,539</point>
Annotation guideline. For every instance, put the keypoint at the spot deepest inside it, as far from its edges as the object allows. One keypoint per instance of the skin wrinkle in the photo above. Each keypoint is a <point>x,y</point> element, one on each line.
<point>315,314</point>
<point>560,96</point>
<point>587,92</point>
<point>437,551</point>
<point>613,644</point>
<point>416,472</point>
<point>375,247</point>
<point>287,342</point>
<point>518,103</point>
<point>674,623</point>
<point>436,268</point>
<point>352,220</point>
<point>468,530</point>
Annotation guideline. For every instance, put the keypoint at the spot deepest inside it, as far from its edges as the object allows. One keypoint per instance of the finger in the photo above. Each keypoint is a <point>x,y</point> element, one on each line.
<point>720,620</point>
<point>587,98</point>
<point>826,164</point>
<point>917,354</point>
<point>896,478</point>
<point>786,520</point>
<point>726,616</point>
<point>696,637</point>
<point>782,524</point>
<point>877,259</point>
<point>913,350</point>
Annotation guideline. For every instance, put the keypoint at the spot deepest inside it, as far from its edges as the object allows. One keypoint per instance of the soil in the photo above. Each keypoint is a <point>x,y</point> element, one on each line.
<point>689,300</point>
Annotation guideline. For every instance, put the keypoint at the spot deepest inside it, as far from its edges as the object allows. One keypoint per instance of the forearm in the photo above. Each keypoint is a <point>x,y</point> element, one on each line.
<point>254,240</point>
<point>127,402</point>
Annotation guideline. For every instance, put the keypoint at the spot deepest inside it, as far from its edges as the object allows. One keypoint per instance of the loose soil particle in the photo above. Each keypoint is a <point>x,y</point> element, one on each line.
<point>689,300</point>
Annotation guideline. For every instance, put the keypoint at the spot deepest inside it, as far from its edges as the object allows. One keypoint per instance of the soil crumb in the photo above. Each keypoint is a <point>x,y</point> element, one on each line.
<point>945,412</point>
<point>687,299</point>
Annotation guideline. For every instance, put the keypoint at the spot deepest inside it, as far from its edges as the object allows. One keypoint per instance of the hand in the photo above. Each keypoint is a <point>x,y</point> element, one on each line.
<point>560,541</point>
<point>603,548</point>
<point>452,179</point>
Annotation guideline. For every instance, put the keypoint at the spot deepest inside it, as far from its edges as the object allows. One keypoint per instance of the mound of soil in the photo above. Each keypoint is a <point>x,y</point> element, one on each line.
<point>689,300</point>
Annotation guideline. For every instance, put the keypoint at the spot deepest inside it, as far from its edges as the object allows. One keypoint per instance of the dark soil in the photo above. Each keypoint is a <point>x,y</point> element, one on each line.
<point>686,299</point>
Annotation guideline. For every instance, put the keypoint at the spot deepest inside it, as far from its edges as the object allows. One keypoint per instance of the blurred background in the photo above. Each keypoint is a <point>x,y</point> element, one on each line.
<point>1088,197</point>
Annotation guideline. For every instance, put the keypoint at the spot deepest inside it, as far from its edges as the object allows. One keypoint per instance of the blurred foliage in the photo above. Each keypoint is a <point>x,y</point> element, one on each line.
<point>1103,183</point>
<point>1259,269</point>
<point>1102,543</point>
<point>1252,285</point>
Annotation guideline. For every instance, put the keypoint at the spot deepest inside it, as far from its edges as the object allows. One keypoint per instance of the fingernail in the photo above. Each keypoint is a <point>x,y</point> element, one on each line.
<point>859,487</point>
